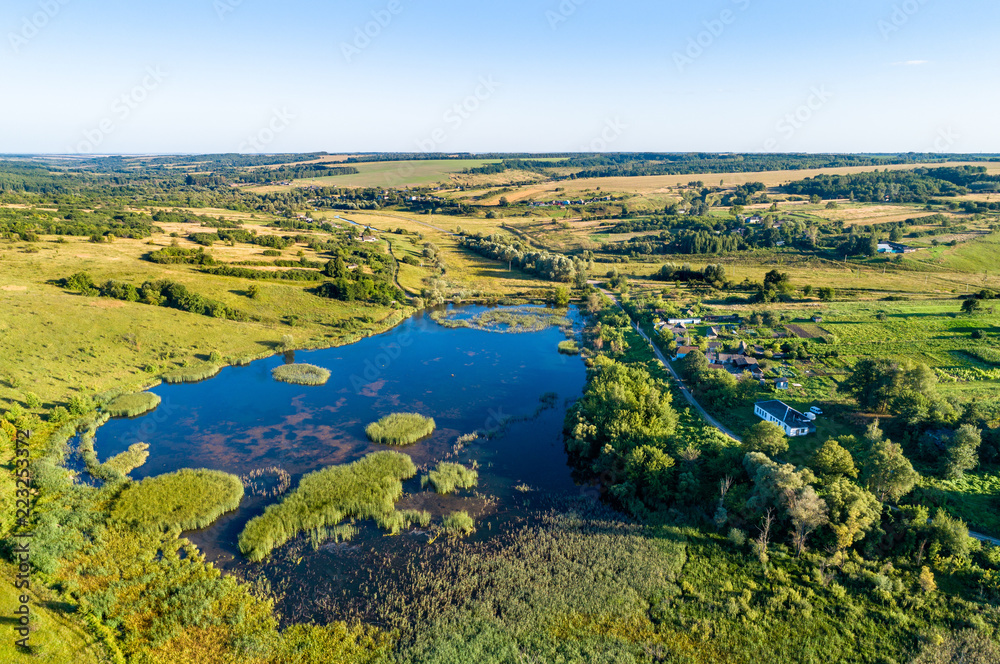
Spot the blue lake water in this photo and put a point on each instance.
(465, 379)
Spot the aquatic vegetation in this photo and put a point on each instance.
(365, 489)
(132, 405)
(511, 320)
(187, 499)
(400, 429)
(129, 460)
(569, 347)
(191, 374)
(449, 477)
(255, 485)
(396, 521)
(458, 524)
(345, 532)
(301, 374)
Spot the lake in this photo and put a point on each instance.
(466, 379)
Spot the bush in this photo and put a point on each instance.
(400, 429)
(187, 499)
(459, 523)
(132, 405)
(301, 374)
(449, 477)
(365, 489)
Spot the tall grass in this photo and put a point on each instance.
(459, 523)
(301, 374)
(449, 477)
(129, 460)
(132, 405)
(400, 429)
(569, 347)
(187, 499)
(365, 489)
(191, 374)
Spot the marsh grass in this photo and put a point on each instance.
(397, 521)
(132, 405)
(187, 499)
(459, 524)
(449, 477)
(345, 532)
(365, 489)
(191, 374)
(516, 320)
(400, 429)
(129, 460)
(301, 374)
(569, 347)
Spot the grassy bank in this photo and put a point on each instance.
(187, 499)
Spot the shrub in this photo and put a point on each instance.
(301, 374)
(132, 405)
(365, 489)
(79, 405)
(400, 429)
(459, 523)
(449, 477)
(187, 499)
(31, 400)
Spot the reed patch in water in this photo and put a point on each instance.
(400, 429)
(365, 489)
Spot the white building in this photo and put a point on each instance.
(792, 421)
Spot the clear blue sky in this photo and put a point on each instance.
(258, 75)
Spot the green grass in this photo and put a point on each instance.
(459, 523)
(449, 477)
(301, 374)
(132, 405)
(400, 429)
(129, 460)
(58, 636)
(365, 489)
(399, 173)
(187, 499)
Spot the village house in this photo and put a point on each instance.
(792, 421)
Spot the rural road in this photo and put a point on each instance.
(390, 216)
(680, 383)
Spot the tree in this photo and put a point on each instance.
(853, 511)
(504, 202)
(971, 306)
(808, 512)
(766, 437)
(253, 291)
(694, 363)
(826, 294)
(927, 582)
(888, 473)
(559, 296)
(832, 460)
(963, 452)
(649, 469)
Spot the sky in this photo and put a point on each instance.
(259, 76)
